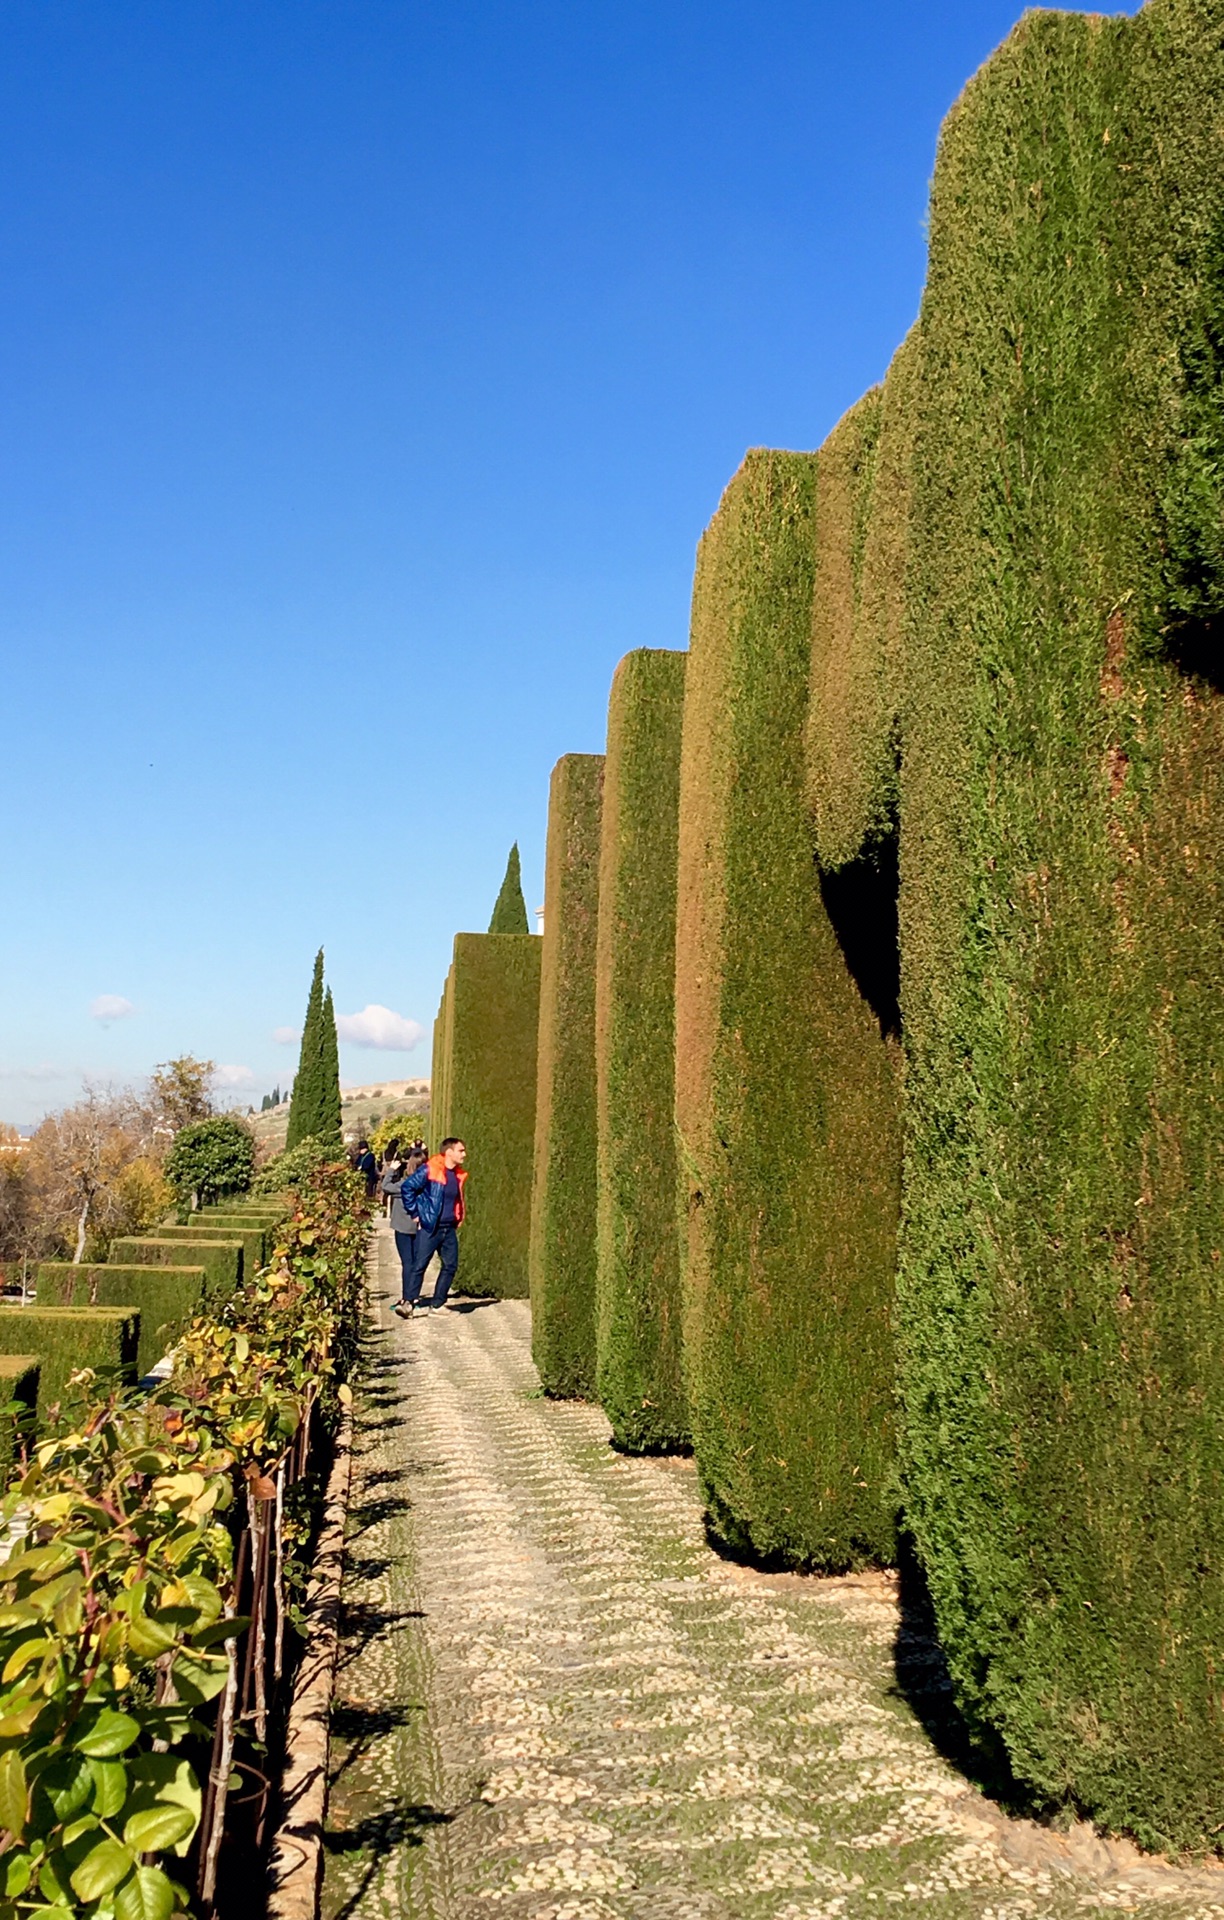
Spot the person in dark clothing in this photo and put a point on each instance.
(436, 1191)
(404, 1225)
(367, 1166)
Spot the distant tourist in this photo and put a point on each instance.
(367, 1166)
(435, 1190)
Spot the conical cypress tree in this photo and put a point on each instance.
(510, 913)
(303, 1114)
(329, 1075)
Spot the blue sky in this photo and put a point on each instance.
(370, 371)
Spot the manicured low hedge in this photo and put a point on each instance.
(222, 1260)
(166, 1298)
(19, 1389)
(252, 1240)
(640, 1361)
(562, 1257)
(68, 1338)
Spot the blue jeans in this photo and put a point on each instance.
(410, 1284)
(444, 1241)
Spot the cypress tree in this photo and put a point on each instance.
(510, 913)
(329, 1075)
(303, 1113)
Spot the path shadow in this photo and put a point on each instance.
(376, 1835)
(925, 1683)
(470, 1306)
(369, 1566)
(358, 1726)
(383, 1477)
(360, 1625)
(372, 1513)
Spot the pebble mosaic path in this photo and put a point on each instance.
(555, 1702)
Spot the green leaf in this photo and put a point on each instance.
(16, 1868)
(67, 1783)
(29, 1650)
(88, 1823)
(111, 1733)
(198, 1680)
(103, 1867)
(148, 1895)
(158, 1828)
(52, 1883)
(219, 1631)
(148, 1638)
(110, 1786)
(14, 1793)
(160, 1780)
(19, 1722)
(204, 1597)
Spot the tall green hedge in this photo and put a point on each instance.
(562, 1254)
(68, 1338)
(785, 1089)
(858, 616)
(439, 1084)
(166, 1298)
(490, 1098)
(221, 1260)
(639, 1323)
(1061, 1299)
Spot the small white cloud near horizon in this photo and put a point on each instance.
(234, 1077)
(44, 1072)
(378, 1027)
(286, 1036)
(108, 1007)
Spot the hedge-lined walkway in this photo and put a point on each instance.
(556, 1702)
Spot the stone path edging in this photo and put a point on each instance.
(295, 1866)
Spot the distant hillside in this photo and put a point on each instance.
(360, 1109)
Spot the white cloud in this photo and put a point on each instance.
(108, 1007)
(234, 1077)
(286, 1036)
(44, 1072)
(379, 1027)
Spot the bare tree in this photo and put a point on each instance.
(80, 1165)
(180, 1092)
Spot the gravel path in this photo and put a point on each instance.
(557, 1703)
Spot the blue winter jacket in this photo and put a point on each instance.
(424, 1191)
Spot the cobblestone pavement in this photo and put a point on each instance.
(555, 1702)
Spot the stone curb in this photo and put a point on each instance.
(295, 1866)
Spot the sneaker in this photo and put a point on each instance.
(403, 1309)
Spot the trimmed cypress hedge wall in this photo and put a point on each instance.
(166, 1298)
(439, 1083)
(18, 1383)
(68, 1338)
(562, 1254)
(1061, 1301)
(639, 1321)
(858, 616)
(490, 1095)
(221, 1260)
(785, 1090)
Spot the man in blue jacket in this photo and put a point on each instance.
(434, 1193)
